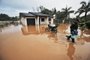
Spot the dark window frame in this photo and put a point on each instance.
(42, 19)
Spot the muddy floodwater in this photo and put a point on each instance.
(34, 43)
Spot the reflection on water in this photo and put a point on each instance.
(71, 51)
(34, 43)
(37, 30)
(53, 36)
(33, 29)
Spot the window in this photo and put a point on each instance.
(42, 20)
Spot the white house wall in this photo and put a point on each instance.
(52, 20)
(37, 21)
(47, 20)
(23, 21)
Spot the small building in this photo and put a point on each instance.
(34, 18)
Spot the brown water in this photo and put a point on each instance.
(34, 43)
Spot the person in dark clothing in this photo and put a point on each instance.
(73, 28)
(73, 31)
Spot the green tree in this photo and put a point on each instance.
(60, 16)
(14, 18)
(85, 8)
(4, 17)
(54, 11)
(67, 11)
(45, 10)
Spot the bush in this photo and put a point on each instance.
(88, 25)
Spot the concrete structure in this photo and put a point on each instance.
(34, 18)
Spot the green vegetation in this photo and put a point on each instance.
(64, 15)
(5, 20)
(5, 17)
(66, 11)
(85, 20)
(85, 8)
(88, 25)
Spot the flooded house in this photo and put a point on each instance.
(33, 21)
(35, 18)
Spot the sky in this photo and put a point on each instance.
(14, 7)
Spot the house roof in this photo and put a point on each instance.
(31, 14)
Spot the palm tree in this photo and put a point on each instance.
(85, 8)
(67, 12)
(54, 11)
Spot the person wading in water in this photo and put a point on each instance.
(73, 31)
